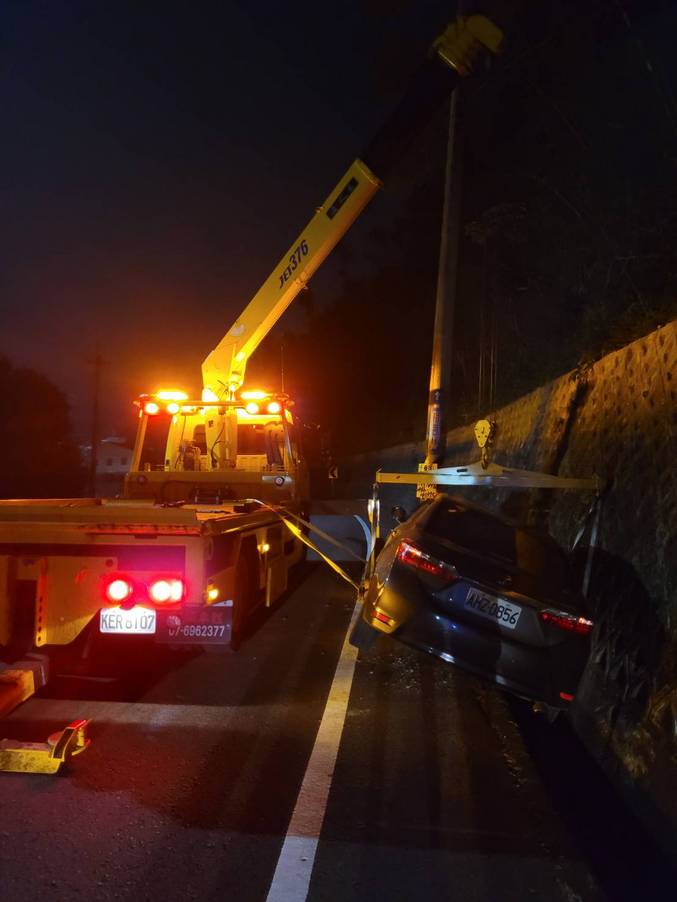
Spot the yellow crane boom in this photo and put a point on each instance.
(456, 48)
(223, 369)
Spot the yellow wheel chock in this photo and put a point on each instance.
(17, 684)
(44, 757)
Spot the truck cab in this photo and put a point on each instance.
(196, 452)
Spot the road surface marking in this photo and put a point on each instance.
(297, 856)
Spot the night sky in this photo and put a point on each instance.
(158, 159)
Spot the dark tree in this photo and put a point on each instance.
(39, 457)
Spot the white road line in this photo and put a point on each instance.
(297, 856)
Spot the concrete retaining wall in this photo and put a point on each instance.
(617, 419)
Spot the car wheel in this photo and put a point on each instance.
(362, 635)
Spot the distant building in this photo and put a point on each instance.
(113, 458)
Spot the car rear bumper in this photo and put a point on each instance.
(534, 673)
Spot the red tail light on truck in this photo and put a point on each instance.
(166, 591)
(118, 590)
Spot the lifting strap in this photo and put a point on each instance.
(591, 520)
(286, 516)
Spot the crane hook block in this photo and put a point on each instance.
(463, 39)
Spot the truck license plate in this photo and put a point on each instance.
(135, 622)
(204, 626)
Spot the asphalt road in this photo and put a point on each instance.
(442, 788)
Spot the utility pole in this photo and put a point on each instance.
(445, 299)
(98, 363)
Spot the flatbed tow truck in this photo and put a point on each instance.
(204, 530)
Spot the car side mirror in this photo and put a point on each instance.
(399, 513)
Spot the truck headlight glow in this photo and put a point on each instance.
(151, 408)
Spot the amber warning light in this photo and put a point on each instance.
(173, 403)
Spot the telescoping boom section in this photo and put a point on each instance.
(224, 368)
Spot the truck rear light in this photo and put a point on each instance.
(412, 556)
(118, 590)
(568, 622)
(162, 591)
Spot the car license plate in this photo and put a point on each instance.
(497, 609)
(135, 622)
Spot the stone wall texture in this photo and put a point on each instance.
(616, 419)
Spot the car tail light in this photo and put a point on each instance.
(412, 556)
(568, 622)
(382, 617)
(163, 591)
(118, 590)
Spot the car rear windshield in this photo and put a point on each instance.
(474, 530)
(486, 535)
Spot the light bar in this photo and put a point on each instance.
(172, 395)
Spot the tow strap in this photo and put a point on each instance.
(287, 516)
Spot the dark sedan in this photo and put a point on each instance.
(478, 590)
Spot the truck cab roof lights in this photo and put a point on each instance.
(172, 395)
(254, 395)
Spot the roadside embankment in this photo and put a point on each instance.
(615, 418)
